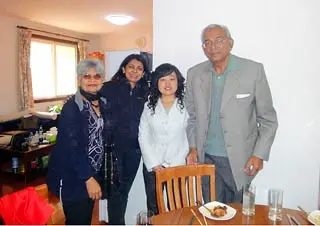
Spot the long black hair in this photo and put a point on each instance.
(162, 71)
(119, 75)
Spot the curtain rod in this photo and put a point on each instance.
(52, 33)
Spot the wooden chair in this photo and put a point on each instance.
(183, 185)
(58, 216)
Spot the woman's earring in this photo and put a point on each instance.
(123, 71)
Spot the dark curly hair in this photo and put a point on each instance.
(162, 71)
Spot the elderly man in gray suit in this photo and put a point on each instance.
(232, 121)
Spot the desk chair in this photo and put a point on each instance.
(57, 216)
(183, 185)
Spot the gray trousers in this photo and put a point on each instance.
(226, 189)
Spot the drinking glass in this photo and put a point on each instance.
(275, 199)
(144, 217)
(248, 200)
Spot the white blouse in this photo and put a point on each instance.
(163, 137)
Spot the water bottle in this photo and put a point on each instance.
(40, 134)
(36, 137)
(15, 165)
(30, 138)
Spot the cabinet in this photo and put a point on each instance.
(25, 157)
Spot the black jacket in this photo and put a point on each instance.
(69, 166)
(127, 104)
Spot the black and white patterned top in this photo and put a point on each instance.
(95, 144)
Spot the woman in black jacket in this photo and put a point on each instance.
(128, 91)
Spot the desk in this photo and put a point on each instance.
(26, 157)
(182, 217)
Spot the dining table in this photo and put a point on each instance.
(184, 216)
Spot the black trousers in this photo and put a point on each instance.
(150, 186)
(128, 164)
(78, 212)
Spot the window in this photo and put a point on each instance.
(53, 68)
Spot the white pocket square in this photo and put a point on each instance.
(244, 95)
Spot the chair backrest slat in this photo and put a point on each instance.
(170, 195)
(184, 195)
(191, 189)
(184, 185)
(159, 192)
(176, 188)
(199, 188)
(212, 187)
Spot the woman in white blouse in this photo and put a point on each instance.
(162, 131)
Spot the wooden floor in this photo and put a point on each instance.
(9, 185)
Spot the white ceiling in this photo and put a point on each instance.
(84, 16)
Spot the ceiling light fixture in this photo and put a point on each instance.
(119, 19)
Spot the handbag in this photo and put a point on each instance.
(111, 180)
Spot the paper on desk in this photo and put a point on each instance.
(42, 114)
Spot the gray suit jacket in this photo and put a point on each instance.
(248, 118)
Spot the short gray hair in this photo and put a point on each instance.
(211, 26)
(84, 65)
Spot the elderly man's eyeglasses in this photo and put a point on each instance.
(95, 77)
(218, 42)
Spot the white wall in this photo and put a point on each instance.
(113, 60)
(128, 40)
(284, 36)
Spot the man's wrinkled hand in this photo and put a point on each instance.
(253, 166)
(192, 157)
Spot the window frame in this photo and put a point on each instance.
(40, 38)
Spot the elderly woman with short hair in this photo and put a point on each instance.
(75, 165)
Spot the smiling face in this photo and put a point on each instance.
(91, 82)
(168, 85)
(133, 71)
(216, 45)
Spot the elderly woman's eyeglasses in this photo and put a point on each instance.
(95, 77)
(218, 42)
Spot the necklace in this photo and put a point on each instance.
(94, 105)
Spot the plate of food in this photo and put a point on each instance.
(218, 211)
(314, 217)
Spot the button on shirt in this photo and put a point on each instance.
(215, 144)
